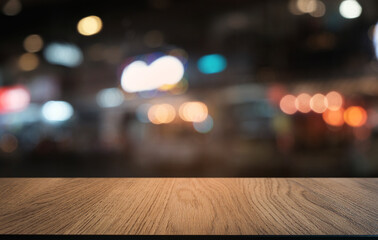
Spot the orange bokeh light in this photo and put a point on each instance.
(355, 116)
(287, 104)
(334, 118)
(335, 100)
(161, 113)
(318, 103)
(193, 111)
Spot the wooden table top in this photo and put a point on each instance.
(229, 206)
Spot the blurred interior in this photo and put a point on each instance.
(188, 88)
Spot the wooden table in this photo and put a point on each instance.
(189, 206)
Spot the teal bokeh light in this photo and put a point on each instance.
(213, 63)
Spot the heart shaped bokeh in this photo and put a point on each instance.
(138, 76)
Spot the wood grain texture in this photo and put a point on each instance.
(188, 206)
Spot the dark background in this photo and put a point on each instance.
(270, 52)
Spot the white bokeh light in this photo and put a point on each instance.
(350, 9)
(65, 54)
(375, 39)
(57, 111)
(138, 76)
(110, 97)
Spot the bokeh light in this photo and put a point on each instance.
(193, 111)
(57, 111)
(350, 9)
(65, 54)
(335, 100)
(306, 6)
(334, 117)
(138, 76)
(28, 61)
(110, 97)
(355, 116)
(375, 39)
(161, 113)
(319, 10)
(205, 126)
(89, 25)
(318, 103)
(287, 104)
(213, 63)
(33, 43)
(302, 103)
(13, 99)
(12, 7)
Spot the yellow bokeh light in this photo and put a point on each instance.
(161, 113)
(167, 87)
(89, 25)
(28, 62)
(33, 43)
(193, 111)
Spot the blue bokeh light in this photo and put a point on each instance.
(213, 63)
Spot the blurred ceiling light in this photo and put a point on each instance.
(33, 43)
(161, 113)
(138, 76)
(110, 97)
(205, 126)
(89, 25)
(153, 39)
(350, 9)
(375, 39)
(65, 54)
(306, 6)
(355, 116)
(287, 104)
(213, 63)
(13, 99)
(28, 62)
(334, 117)
(335, 100)
(8, 143)
(319, 10)
(318, 103)
(193, 111)
(302, 103)
(57, 111)
(142, 112)
(12, 7)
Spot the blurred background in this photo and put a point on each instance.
(188, 88)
